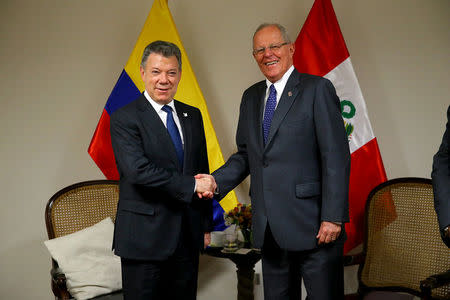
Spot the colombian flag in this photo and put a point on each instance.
(158, 26)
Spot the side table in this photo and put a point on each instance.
(245, 264)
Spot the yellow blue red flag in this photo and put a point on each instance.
(158, 26)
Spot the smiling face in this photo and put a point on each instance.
(274, 62)
(161, 76)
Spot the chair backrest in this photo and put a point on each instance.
(403, 245)
(81, 205)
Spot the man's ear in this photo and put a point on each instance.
(142, 72)
(292, 48)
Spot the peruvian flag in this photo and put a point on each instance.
(320, 50)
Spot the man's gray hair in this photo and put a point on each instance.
(166, 49)
(280, 27)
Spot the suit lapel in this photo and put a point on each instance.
(290, 93)
(186, 128)
(153, 124)
(258, 107)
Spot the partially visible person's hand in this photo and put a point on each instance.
(205, 185)
(328, 232)
(446, 236)
(207, 239)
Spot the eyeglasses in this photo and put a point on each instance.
(272, 48)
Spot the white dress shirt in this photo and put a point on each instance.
(279, 87)
(163, 115)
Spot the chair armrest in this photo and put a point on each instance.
(59, 287)
(434, 281)
(58, 277)
(354, 259)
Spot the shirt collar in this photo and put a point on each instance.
(156, 105)
(281, 83)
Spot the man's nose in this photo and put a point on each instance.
(164, 78)
(268, 51)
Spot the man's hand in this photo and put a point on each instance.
(328, 232)
(205, 185)
(207, 239)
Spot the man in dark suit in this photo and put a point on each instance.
(159, 145)
(441, 183)
(292, 142)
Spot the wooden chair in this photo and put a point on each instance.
(403, 251)
(76, 207)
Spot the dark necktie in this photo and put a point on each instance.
(174, 133)
(268, 113)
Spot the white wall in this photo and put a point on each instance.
(60, 59)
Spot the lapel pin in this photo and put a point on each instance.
(185, 115)
(290, 94)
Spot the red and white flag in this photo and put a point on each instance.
(320, 50)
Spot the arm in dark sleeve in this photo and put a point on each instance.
(334, 153)
(207, 208)
(441, 178)
(234, 171)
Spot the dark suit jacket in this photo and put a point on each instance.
(301, 176)
(154, 191)
(441, 179)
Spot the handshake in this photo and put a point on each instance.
(205, 185)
